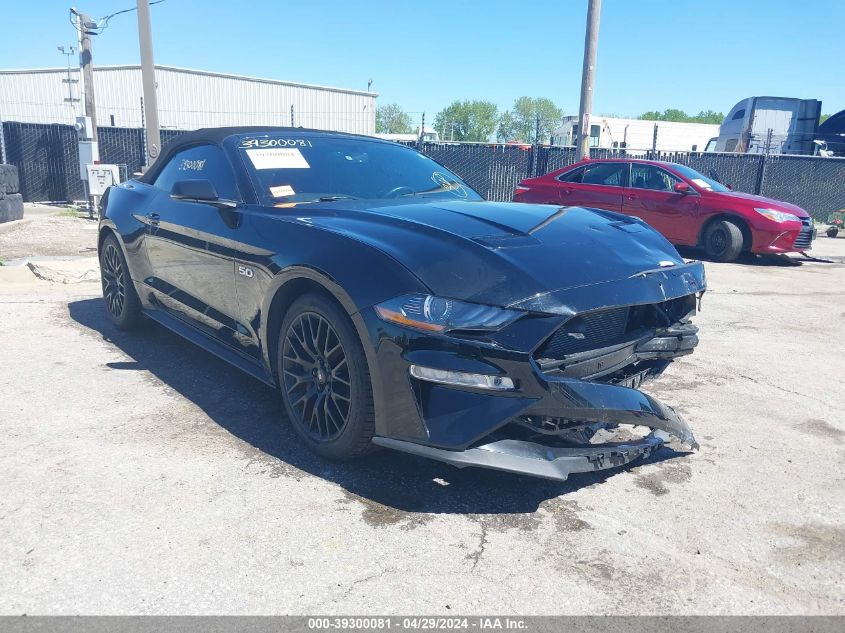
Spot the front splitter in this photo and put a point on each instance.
(537, 460)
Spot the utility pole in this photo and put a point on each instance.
(77, 23)
(148, 79)
(86, 60)
(588, 75)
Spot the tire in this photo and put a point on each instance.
(11, 207)
(832, 231)
(119, 295)
(9, 180)
(324, 379)
(723, 241)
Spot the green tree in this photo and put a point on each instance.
(674, 114)
(392, 119)
(521, 123)
(823, 118)
(679, 116)
(467, 121)
(708, 116)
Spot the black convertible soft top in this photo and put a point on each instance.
(217, 135)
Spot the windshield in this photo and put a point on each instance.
(699, 179)
(300, 168)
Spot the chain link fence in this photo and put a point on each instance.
(47, 161)
(813, 183)
(47, 157)
(492, 170)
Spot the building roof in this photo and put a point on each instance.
(194, 71)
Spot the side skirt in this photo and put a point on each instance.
(202, 340)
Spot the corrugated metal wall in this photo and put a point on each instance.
(639, 133)
(187, 100)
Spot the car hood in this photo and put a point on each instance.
(503, 253)
(762, 201)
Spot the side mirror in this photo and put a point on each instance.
(199, 191)
(682, 188)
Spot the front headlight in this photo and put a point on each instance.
(778, 216)
(436, 314)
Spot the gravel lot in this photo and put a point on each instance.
(142, 475)
(56, 233)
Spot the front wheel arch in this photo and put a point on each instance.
(104, 233)
(283, 297)
(742, 224)
(339, 378)
(295, 282)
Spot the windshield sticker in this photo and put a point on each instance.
(281, 191)
(449, 185)
(702, 183)
(192, 165)
(277, 158)
(261, 143)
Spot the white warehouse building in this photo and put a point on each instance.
(187, 99)
(638, 134)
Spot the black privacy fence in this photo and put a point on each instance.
(814, 183)
(46, 157)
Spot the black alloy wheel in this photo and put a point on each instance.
(122, 303)
(325, 379)
(114, 280)
(316, 377)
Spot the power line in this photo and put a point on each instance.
(98, 26)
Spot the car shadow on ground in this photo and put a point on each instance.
(253, 412)
(747, 259)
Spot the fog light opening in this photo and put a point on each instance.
(462, 379)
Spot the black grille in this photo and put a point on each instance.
(586, 332)
(805, 237)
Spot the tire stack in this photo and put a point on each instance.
(11, 201)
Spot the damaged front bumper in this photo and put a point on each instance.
(574, 367)
(587, 402)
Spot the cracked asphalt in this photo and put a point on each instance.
(142, 475)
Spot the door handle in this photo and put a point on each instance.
(632, 196)
(567, 190)
(153, 218)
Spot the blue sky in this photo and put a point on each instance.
(653, 54)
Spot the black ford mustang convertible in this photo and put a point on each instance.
(393, 307)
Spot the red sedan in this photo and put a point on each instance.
(687, 207)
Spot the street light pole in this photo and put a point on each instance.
(588, 74)
(149, 83)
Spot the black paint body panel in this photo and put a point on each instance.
(219, 272)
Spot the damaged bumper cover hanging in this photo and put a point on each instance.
(587, 402)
